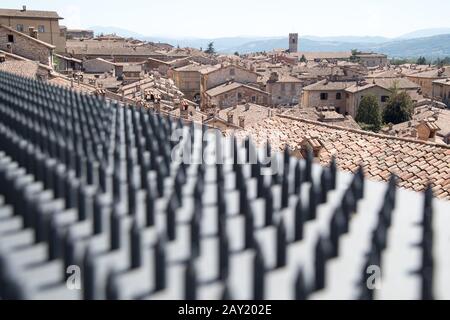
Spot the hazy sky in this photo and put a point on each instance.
(217, 18)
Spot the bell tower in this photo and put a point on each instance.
(293, 42)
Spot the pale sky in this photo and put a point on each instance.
(221, 18)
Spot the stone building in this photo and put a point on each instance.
(66, 64)
(79, 34)
(132, 73)
(326, 93)
(283, 89)
(187, 79)
(24, 67)
(380, 88)
(441, 90)
(214, 76)
(116, 51)
(99, 65)
(27, 46)
(233, 93)
(345, 96)
(46, 24)
(293, 42)
(356, 93)
(371, 60)
(156, 65)
(425, 79)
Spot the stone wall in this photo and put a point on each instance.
(97, 66)
(52, 33)
(25, 47)
(285, 93)
(188, 82)
(354, 99)
(311, 99)
(442, 91)
(231, 72)
(234, 97)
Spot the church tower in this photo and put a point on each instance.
(293, 42)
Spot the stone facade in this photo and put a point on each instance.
(284, 92)
(293, 42)
(98, 66)
(48, 28)
(156, 64)
(325, 98)
(20, 44)
(227, 73)
(441, 90)
(188, 81)
(353, 99)
(237, 95)
(425, 83)
(218, 76)
(79, 34)
(372, 60)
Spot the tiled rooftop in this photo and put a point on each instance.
(252, 114)
(415, 163)
(330, 117)
(29, 14)
(329, 85)
(21, 68)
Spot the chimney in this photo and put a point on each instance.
(157, 104)
(230, 117)
(313, 144)
(242, 121)
(184, 112)
(24, 8)
(247, 106)
(33, 32)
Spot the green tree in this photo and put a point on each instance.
(303, 58)
(353, 57)
(399, 107)
(422, 60)
(236, 53)
(210, 49)
(369, 114)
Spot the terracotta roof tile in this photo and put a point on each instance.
(415, 162)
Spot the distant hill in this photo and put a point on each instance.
(430, 47)
(350, 39)
(425, 33)
(431, 43)
(118, 31)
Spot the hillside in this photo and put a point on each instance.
(410, 45)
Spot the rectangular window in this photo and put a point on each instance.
(338, 96)
(41, 29)
(324, 96)
(253, 99)
(384, 98)
(19, 27)
(10, 38)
